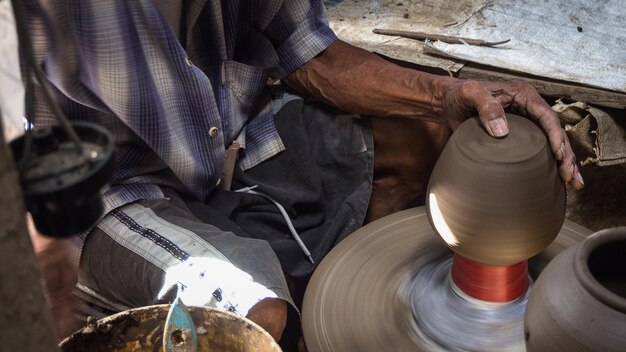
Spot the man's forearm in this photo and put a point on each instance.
(360, 82)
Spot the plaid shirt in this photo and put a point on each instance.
(173, 108)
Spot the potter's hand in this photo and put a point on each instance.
(464, 98)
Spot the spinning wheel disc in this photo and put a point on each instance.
(358, 299)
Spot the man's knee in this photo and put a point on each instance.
(271, 315)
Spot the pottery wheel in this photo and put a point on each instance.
(359, 298)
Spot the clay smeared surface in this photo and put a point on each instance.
(141, 329)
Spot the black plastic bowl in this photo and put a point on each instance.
(62, 186)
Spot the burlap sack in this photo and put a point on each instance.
(596, 137)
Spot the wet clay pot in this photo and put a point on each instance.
(496, 201)
(579, 301)
(141, 329)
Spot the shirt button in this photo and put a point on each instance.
(188, 62)
(213, 132)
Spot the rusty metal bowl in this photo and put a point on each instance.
(141, 329)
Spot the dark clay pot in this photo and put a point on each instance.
(496, 201)
(579, 301)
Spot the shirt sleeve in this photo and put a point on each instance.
(299, 32)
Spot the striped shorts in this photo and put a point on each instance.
(237, 248)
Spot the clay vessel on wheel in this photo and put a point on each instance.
(497, 201)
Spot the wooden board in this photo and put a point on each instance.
(547, 87)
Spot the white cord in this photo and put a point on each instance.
(282, 210)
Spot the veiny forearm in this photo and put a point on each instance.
(361, 82)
